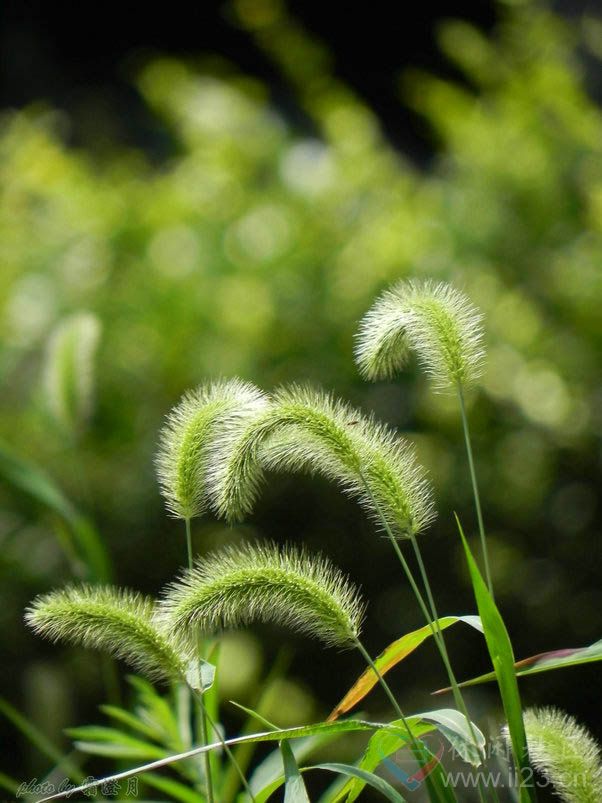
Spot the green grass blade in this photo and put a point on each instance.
(452, 725)
(124, 717)
(41, 742)
(294, 785)
(543, 662)
(502, 657)
(382, 786)
(391, 656)
(9, 784)
(175, 789)
(345, 726)
(31, 480)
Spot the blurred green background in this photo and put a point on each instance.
(249, 243)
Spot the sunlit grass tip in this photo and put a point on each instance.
(116, 621)
(303, 429)
(264, 583)
(186, 439)
(565, 753)
(434, 320)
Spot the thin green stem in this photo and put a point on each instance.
(475, 488)
(202, 708)
(385, 686)
(458, 696)
(431, 618)
(227, 750)
(417, 750)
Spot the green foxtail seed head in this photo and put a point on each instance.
(186, 438)
(303, 429)
(69, 370)
(116, 621)
(565, 753)
(436, 321)
(239, 585)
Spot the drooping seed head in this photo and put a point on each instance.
(118, 622)
(241, 585)
(186, 440)
(306, 430)
(434, 320)
(69, 370)
(565, 753)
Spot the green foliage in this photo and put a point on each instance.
(185, 441)
(115, 621)
(502, 657)
(435, 320)
(566, 754)
(264, 583)
(307, 430)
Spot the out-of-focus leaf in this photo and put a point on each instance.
(391, 656)
(31, 480)
(9, 784)
(41, 742)
(177, 790)
(131, 720)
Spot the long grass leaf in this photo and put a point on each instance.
(31, 480)
(382, 786)
(295, 790)
(543, 662)
(502, 657)
(35, 736)
(391, 656)
(344, 726)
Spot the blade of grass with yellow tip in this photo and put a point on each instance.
(391, 656)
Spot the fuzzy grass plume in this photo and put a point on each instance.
(307, 430)
(240, 585)
(115, 621)
(185, 440)
(434, 320)
(565, 753)
(69, 370)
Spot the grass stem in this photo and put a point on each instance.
(475, 489)
(202, 709)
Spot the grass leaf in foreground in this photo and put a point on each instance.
(390, 657)
(344, 726)
(543, 662)
(502, 657)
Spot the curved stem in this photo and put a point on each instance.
(475, 488)
(202, 708)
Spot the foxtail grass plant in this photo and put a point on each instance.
(215, 450)
(442, 327)
(565, 753)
